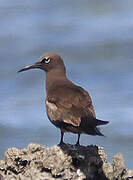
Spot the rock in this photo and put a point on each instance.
(36, 162)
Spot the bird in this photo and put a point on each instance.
(68, 106)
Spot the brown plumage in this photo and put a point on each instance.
(69, 107)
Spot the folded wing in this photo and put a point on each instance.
(69, 106)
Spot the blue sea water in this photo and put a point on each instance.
(95, 39)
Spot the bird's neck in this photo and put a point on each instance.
(55, 76)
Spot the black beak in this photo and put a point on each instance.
(36, 65)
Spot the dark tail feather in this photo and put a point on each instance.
(93, 131)
(100, 122)
(97, 131)
(89, 126)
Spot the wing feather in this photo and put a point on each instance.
(70, 105)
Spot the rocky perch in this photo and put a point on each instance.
(36, 162)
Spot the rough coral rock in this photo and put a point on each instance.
(36, 162)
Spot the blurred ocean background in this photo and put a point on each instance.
(95, 39)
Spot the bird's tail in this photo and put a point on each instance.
(97, 132)
(90, 126)
(100, 122)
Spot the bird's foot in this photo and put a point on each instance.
(77, 144)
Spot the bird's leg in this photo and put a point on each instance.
(61, 140)
(77, 143)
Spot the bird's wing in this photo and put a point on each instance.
(70, 104)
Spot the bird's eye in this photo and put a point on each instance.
(46, 60)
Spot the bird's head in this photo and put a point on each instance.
(47, 62)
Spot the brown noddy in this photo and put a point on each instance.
(68, 106)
